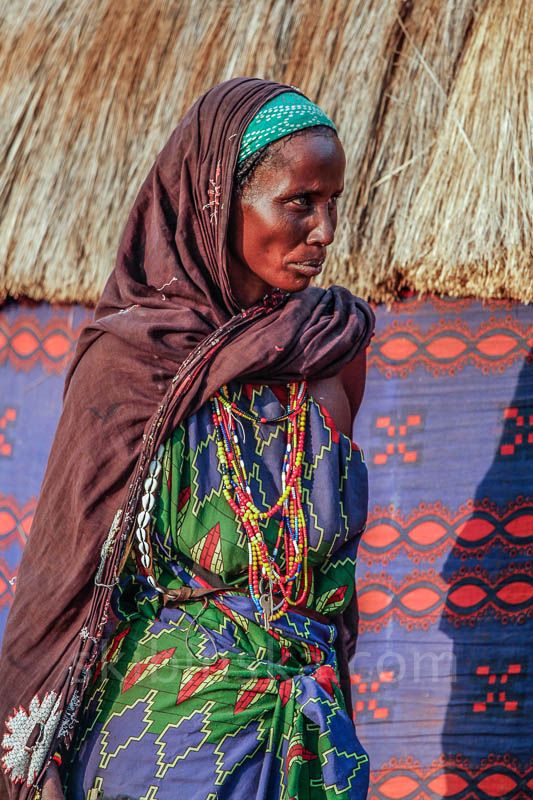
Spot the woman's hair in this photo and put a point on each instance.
(246, 169)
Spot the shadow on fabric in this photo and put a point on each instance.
(488, 617)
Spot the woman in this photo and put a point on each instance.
(203, 487)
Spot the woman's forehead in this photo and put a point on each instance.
(313, 157)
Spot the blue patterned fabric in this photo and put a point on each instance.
(442, 665)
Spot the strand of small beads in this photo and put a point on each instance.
(292, 583)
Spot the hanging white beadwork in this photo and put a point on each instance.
(24, 763)
(144, 517)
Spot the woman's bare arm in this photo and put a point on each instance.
(52, 789)
(353, 377)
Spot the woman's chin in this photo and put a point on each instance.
(298, 284)
(299, 276)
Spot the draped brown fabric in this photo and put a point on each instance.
(167, 333)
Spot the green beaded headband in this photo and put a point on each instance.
(284, 114)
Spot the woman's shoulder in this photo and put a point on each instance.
(339, 395)
(330, 395)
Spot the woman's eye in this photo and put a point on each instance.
(301, 200)
(305, 201)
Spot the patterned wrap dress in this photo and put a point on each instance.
(200, 701)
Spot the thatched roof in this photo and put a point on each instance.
(433, 99)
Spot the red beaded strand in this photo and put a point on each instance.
(292, 584)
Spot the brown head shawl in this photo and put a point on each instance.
(167, 333)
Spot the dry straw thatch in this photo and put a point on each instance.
(433, 99)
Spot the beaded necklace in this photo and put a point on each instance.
(265, 575)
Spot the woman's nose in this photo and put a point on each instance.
(323, 230)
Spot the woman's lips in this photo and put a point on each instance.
(308, 268)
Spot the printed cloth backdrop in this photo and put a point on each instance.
(444, 583)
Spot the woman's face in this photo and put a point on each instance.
(285, 218)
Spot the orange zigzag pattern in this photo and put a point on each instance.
(496, 776)
(431, 530)
(15, 520)
(26, 342)
(449, 346)
(411, 302)
(421, 598)
(15, 523)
